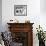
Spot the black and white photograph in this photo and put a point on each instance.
(20, 10)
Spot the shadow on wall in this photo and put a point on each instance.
(0, 15)
(43, 6)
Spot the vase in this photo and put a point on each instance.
(41, 43)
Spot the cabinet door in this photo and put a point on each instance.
(20, 37)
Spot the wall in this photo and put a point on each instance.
(35, 14)
(43, 14)
(33, 10)
(0, 15)
(43, 6)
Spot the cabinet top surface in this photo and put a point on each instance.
(19, 23)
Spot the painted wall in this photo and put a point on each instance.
(33, 10)
(34, 14)
(43, 6)
(0, 15)
(43, 14)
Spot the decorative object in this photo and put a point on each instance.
(20, 10)
(41, 36)
(1, 40)
(27, 21)
(7, 38)
(13, 21)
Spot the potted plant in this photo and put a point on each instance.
(41, 36)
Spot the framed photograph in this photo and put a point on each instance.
(20, 10)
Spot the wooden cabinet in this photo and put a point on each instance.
(22, 33)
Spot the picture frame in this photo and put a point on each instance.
(20, 10)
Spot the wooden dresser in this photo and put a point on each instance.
(22, 33)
